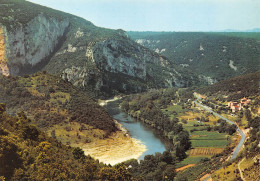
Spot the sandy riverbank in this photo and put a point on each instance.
(104, 102)
(117, 148)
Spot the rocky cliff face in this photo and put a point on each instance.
(119, 64)
(120, 56)
(101, 60)
(29, 45)
(3, 62)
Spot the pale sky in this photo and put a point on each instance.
(164, 15)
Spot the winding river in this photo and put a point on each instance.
(149, 137)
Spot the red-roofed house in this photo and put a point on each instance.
(235, 106)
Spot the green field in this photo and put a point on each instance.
(191, 160)
(177, 108)
(209, 135)
(208, 139)
(190, 125)
(209, 143)
(200, 139)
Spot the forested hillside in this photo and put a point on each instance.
(52, 104)
(235, 88)
(27, 153)
(214, 56)
(57, 107)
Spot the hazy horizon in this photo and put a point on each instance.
(164, 15)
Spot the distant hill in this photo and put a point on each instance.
(250, 30)
(213, 56)
(254, 30)
(104, 61)
(236, 87)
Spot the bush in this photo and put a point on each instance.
(78, 153)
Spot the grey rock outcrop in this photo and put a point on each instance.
(104, 61)
(29, 45)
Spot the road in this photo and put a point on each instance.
(243, 136)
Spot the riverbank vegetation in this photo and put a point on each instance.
(160, 166)
(70, 116)
(147, 108)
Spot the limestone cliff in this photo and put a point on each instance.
(3, 62)
(116, 64)
(101, 60)
(121, 56)
(28, 45)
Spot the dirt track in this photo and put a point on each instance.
(185, 167)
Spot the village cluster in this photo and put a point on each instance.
(237, 106)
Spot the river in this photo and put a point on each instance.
(148, 136)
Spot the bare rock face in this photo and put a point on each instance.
(104, 61)
(3, 62)
(118, 64)
(209, 80)
(29, 45)
(119, 56)
(82, 77)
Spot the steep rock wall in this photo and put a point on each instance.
(3, 62)
(122, 65)
(83, 77)
(29, 45)
(119, 56)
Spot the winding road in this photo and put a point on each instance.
(243, 136)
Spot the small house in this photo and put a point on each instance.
(237, 106)
(245, 101)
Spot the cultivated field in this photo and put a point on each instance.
(191, 160)
(205, 143)
(205, 151)
(208, 139)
